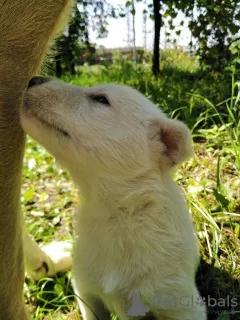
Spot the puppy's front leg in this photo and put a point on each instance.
(92, 308)
(47, 260)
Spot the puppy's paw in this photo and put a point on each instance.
(52, 258)
(60, 254)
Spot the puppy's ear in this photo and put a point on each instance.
(170, 140)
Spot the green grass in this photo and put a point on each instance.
(48, 198)
(210, 180)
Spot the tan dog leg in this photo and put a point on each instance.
(26, 27)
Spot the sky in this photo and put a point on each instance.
(117, 35)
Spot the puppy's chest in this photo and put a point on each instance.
(99, 244)
(100, 265)
(112, 256)
(106, 255)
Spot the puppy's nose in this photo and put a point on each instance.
(35, 81)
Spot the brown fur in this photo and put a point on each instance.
(26, 27)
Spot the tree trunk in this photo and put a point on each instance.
(72, 68)
(157, 28)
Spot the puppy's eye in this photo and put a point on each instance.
(101, 99)
(64, 133)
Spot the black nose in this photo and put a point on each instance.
(35, 81)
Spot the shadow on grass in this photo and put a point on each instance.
(220, 291)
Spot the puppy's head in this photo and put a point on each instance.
(103, 128)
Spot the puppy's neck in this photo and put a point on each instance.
(106, 197)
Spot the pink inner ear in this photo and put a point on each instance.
(170, 138)
(175, 139)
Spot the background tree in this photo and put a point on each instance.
(144, 29)
(162, 12)
(133, 11)
(87, 14)
(215, 25)
(156, 45)
(130, 6)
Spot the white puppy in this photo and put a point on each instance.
(136, 250)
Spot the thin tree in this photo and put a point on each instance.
(157, 27)
(86, 14)
(145, 29)
(128, 28)
(134, 31)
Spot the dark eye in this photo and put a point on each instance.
(63, 132)
(101, 99)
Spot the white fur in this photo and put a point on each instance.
(134, 232)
